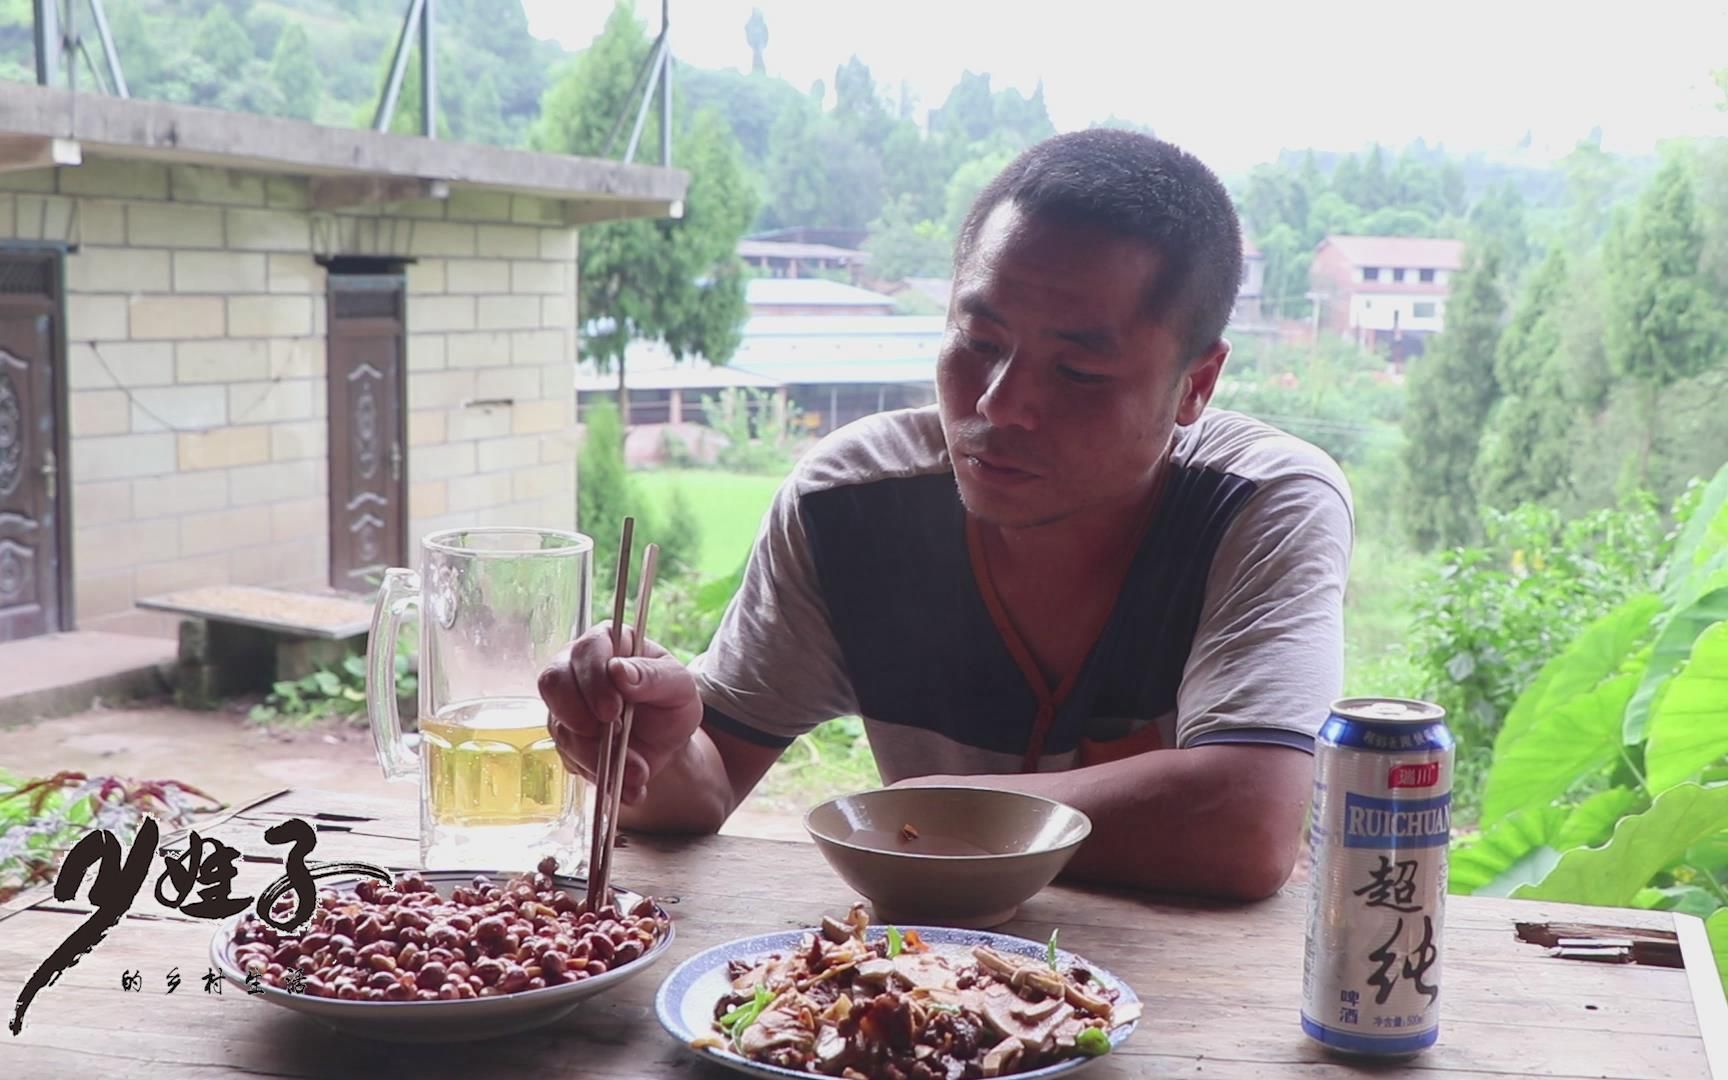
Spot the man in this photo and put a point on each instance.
(1068, 578)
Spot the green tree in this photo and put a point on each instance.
(756, 36)
(407, 118)
(222, 43)
(1451, 391)
(916, 169)
(855, 90)
(1399, 221)
(820, 172)
(968, 180)
(296, 74)
(1665, 321)
(750, 104)
(1595, 182)
(677, 281)
(969, 112)
(681, 542)
(586, 100)
(1498, 218)
(1525, 456)
(265, 26)
(1288, 261)
(483, 114)
(604, 491)
(902, 246)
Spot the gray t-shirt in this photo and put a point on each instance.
(862, 597)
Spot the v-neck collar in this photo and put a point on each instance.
(1051, 699)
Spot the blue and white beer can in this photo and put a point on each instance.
(1380, 824)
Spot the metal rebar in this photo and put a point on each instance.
(398, 67)
(116, 76)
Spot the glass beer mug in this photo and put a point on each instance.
(495, 606)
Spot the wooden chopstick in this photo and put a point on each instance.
(615, 794)
(603, 776)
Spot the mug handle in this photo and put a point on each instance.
(399, 593)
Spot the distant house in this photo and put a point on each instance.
(812, 296)
(833, 236)
(833, 369)
(1384, 292)
(934, 289)
(790, 259)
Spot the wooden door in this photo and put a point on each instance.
(33, 562)
(368, 467)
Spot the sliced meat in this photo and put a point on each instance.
(781, 1027)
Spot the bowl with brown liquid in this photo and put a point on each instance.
(946, 856)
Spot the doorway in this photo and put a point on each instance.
(368, 424)
(35, 550)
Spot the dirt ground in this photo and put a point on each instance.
(236, 760)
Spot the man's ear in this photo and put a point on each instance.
(1198, 382)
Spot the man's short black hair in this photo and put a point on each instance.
(1141, 187)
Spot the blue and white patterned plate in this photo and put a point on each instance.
(686, 1000)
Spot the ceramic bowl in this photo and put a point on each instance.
(445, 1021)
(947, 856)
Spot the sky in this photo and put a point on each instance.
(1235, 83)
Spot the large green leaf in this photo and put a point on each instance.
(1642, 846)
(1562, 746)
(1690, 727)
(1689, 899)
(1703, 541)
(1592, 821)
(1517, 850)
(1717, 927)
(1594, 655)
(1673, 645)
(1711, 853)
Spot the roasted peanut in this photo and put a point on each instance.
(405, 942)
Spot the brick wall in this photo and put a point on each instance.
(195, 322)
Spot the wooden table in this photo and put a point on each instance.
(1221, 983)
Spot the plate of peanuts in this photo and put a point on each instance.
(445, 955)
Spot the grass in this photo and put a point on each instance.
(729, 506)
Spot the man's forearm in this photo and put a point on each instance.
(1219, 820)
(691, 795)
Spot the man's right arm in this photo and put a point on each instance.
(701, 786)
(704, 735)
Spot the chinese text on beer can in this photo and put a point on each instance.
(1382, 818)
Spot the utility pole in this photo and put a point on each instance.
(666, 84)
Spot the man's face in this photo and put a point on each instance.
(1058, 393)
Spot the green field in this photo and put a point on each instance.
(729, 506)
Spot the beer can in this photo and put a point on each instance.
(1380, 823)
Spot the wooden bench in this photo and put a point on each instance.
(241, 639)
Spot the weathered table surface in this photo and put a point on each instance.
(1221, 982)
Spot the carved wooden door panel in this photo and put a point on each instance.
(368, 467)
(31, 586)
